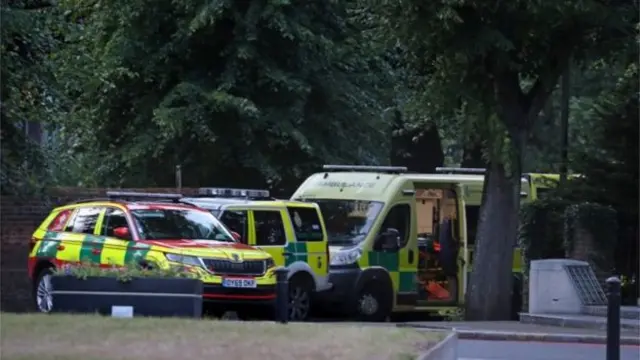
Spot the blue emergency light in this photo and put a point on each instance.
(234, 193)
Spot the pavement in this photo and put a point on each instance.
(516, 331)
(522, 350)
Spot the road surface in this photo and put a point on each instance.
(516, 350)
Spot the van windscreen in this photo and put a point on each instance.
(348, 222)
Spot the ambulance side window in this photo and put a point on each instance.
(236, 220)
(306, 224)
(269, 228)
(84, 220)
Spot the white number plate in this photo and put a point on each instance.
(239, 283)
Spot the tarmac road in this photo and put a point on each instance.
(518, 350)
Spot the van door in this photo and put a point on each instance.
(268, 234)
(309, 232)
(400, 262)
(440, 243)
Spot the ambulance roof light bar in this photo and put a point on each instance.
(140, 196)
(460, 170)
(366, 168)
(234, 193)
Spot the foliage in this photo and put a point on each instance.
(456, 314)
(475, 51)
(224, 89)
(541, 230)
(598, 223)
(27, 90)
(85, 270)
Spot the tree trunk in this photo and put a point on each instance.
(564, 128)
(489, 295)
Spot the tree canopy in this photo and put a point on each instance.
(224, 89)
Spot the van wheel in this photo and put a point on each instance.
(42, 296)
(373, 304)
(300, 289)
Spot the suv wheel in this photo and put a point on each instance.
(42, 291)
(299, 298)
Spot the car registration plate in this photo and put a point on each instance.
(239, 283)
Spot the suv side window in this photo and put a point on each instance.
(84, 220)
(60, 220)
(399, 218)
(113, 218)
(269, 228)
(306, 224)
(236, 220)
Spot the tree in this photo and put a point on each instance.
(238, 93)
(28, 91)
(504, 58)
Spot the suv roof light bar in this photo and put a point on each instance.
(366, 168)
(80, 201)
(234, 193)
(460, 170)
(137, 196)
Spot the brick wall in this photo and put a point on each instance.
(19, 217)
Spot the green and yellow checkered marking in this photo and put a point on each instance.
(71, 247)
(402, 275)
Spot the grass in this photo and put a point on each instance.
(87, 337)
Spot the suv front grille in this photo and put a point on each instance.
(226, 267)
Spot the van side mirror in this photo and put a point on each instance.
(388, 240)
(122, 232)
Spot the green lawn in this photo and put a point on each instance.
(86, 337)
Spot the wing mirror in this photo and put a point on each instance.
(388, 240)
(122, 232)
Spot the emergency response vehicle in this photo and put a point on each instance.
(397, 240)
(153, 230)
(292, 232)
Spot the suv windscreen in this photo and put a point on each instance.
(178, 224)
(348, 222)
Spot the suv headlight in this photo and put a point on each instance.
(184, 259)
(269, 263)
(346, 257)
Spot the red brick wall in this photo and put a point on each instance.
(19, 217)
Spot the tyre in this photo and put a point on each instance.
(42, 297)
(374, 303)
(300, 292)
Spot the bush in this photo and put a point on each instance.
(122, 273)
(596, 226)
(541, 230)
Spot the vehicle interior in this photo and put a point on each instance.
(438, 245)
